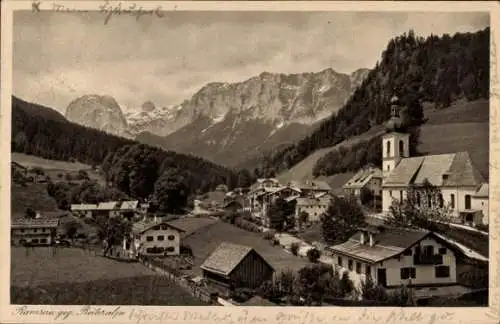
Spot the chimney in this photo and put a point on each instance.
(38, 215)
(154, 219)
(363, 237)
(372, 242)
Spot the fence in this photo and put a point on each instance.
(199, 292)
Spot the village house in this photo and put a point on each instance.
(36, 231)
(16, 167)
(129, 209)
(83, 210)
(369, 178)
(313, 207)
(454, 174)
(311, 188)
(233, 266)
(394, 256)
(107, 209)
(157, 238)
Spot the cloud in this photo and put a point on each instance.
(59, 56)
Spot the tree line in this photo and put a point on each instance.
(416, 69)
(135, 169)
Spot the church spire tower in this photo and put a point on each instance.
(396, 141)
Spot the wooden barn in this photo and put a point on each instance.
(233, 266)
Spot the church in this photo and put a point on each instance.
(461, 185)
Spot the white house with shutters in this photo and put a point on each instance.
(454, 174)
(394, 256)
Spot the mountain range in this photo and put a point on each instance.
(227, 123)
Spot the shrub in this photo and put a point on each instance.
(294, 248)
(370, 291)
(483, 227)
(313, 255)
(275, 241)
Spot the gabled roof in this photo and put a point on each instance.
(142, 226)
(18, 165)
(109, 205)
(454, 169)
(388, 243)
(362, 177)
(482, 191)
(310, 185)
(34, 222)
(132, 204)
(226, 258)
(83, 207)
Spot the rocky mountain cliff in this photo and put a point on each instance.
(230, 123)
(99, 112)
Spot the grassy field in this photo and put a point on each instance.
(73, 277)
(55, 169)
(208, 238)
(461, 127)
(34, 196)
(31, 161)
(140, 290)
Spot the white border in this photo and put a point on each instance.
(254, 315)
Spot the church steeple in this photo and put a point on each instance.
(395, 143)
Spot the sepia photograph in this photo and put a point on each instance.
(249, 158)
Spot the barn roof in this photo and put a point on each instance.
(109, 205)
(226, 258)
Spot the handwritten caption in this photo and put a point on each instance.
(108, 9)
(234, 316)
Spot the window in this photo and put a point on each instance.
(43, 230)
(407, 273)
(149, 238)
(35, 230)
(408, 252)
(442, 250)
(339, 261)
(429, 201)
(467, 202)
(358, 267)
(171, 237)
(418, 198)
(43, 240)
(160, 238)
(390, 193)
(349, 265)
(452, 201)
(388, 148)
(368, 270)
(34, 240)
(428, 250)
(170, 249)
(441, 200)
(442, 271)
(157, 227)
(401, 195)
(22, 230)
(164, 227)
(401, 148)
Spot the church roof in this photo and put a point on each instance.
(454, 169)
(483, 191)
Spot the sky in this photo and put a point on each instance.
(59, 56)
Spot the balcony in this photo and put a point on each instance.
(426, 259)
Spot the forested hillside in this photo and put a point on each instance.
(439, 70)
(39, 132)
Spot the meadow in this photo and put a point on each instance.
(32, 196)
(72, 276)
